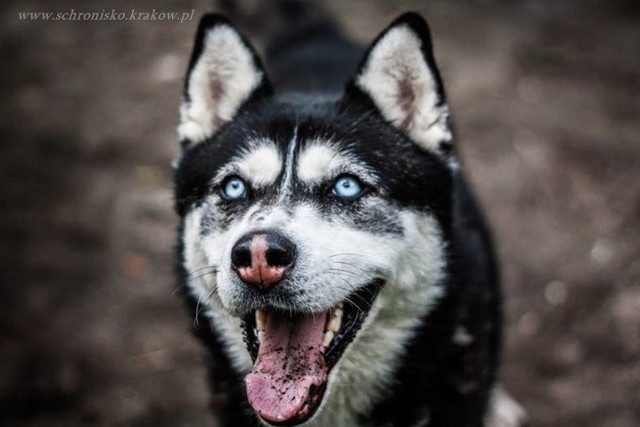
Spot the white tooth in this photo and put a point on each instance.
(261, 320)
(328, 336)
(260, 336)
(334, 322)
(338, 312)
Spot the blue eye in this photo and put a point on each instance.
(347, 187)
(234, 188)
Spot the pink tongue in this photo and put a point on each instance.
(290, 360)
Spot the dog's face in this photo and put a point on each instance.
(313, 229)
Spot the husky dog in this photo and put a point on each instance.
(340, 271)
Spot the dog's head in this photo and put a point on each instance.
(314, 227)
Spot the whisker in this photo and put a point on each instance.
(206, 270)
(352, 265)
(352, 273)
(200, 301)
(348, 254)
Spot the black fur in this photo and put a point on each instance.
(436, 380)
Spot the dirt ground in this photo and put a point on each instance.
(546, 102)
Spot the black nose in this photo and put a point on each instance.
(280, 250)
(241, 253)
(261, 258)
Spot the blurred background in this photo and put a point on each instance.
(546, 102)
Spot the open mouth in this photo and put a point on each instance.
(293, 353)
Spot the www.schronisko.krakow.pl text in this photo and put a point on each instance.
(109, 15)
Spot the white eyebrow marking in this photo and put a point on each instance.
(287, 181)
(318, 162)
(262, 165)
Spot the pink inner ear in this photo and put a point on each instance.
(407, 101)
(216, 91)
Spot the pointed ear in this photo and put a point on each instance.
(224, 73)
(399, 75)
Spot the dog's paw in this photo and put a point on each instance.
(504, 411)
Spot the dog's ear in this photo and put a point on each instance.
(224, 73)
(399, 76)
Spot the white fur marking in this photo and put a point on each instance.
(261, 165)
(287, 180)
(320, 161)
(462, 337)
(317, 163)
(504, 411)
